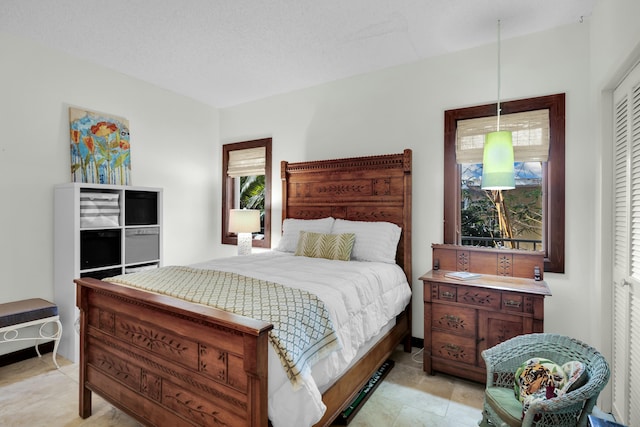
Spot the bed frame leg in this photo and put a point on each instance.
(407, 344)
(85, 402)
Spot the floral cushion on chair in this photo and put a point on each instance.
(536, 375)
(540, 379)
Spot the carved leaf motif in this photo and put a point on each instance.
(453, 351)
(504, 332)
(504, 264)
(152, 340)
(379, 215)
(218, 368)
(341, 189)
(118, 368)
(197, 411)
(106, 321)
(463, 261)
(528, 305)
(203, 353)
(452, 321)
(381, 187)
(477, 298)
(150, 385)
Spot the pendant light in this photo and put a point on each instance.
(497, 161)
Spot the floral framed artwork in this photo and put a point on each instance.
(100, 148)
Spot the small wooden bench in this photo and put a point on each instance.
(17, 315)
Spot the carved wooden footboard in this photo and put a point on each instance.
(169, 362)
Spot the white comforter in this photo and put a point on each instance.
(361, 297)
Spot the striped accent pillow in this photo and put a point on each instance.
(329, 246)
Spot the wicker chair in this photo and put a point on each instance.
(501, 408)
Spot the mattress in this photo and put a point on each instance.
(363, 299)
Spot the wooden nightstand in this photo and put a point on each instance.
(464, 317)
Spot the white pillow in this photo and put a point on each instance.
(375, 241)
(291, 228)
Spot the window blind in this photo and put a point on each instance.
(247, 162)
(530, 136)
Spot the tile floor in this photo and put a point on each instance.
(33, 393)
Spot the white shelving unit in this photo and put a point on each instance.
(118, 230)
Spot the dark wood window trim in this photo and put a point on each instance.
(228, 193)
(553, 181)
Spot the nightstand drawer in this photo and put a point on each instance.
(444, 292)
(454, 347)
(480, 297)
(454, 319)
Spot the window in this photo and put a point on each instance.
(551, 173)
(246, 178)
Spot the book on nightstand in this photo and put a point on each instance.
(463, 275)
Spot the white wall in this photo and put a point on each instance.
(176, 145)
(387, 111)
(173, 146)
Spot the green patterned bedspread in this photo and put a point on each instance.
(302, 330)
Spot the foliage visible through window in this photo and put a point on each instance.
(480, 220)
(245, 187)
(252, 196)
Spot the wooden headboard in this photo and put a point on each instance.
(373, 188)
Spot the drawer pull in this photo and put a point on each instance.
(447, 295)
(452, 319)
(512, 303)
(453, 347)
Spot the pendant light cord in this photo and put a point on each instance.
(498, 112)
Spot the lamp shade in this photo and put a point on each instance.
(497, 162)
(244, 220)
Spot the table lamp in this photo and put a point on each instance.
(243, 222)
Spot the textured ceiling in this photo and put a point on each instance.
(226, 52)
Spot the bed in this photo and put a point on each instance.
(169, 361)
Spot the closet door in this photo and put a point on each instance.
(626, 254)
